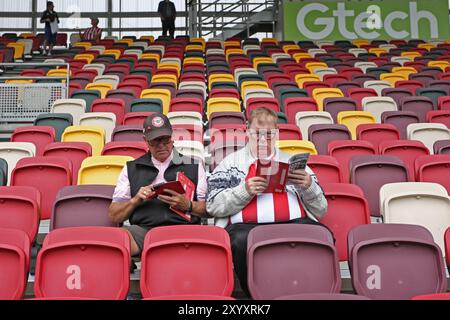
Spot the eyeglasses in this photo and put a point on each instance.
(157, 141)
(267, 134)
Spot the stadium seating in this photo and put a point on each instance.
(68, 264)
(268, 245)
(375, 247)
(177, 252)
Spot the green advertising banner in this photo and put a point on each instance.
(366, 19)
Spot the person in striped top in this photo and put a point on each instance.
(93, 33)
(236, 197)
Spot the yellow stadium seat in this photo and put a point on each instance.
(201, 40)
(253, 84)
(194, 47)
(411, 54)
(219, 77)
(377, 51)
(231, 43)
(404, 70)
(427, 46)
(165, 78)
(300, 56)
(352, 119)
(86, 57)
(19, 50)
(259, 60)
(26, 35)
(100, 86)
(360, 42)
(102, 169)
(156, 93)
(311, 66)
(127, 41)
(439, 64)
(222, 105)
(58, 73)
(113, 52)
(301, 78)
(170, 65)
(18, 81)
(151, 56)
(193, 60)
(94, 135)
(320, 94)
(392, 78)
(150, 38)
(233, 51)
(296, 146)
(288, 47)
(85, 45)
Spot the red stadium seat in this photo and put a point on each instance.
(187, 132)
(407, 150)
(40, 136)
(186, 104)
(116, 106)
(47, 174)
(344, 150)
(14, 261)
(20, 209)
(135, 118)
(289, 132)
(347, 208)
(177, 252)
(433, 168)
(254, 103)
(326, 168)
(84, 262)
(135, 149)
(76, 152)
(439, 116)
(298, 104)
(359, 93)
(376, 133)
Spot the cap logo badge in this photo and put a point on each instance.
(158, 122)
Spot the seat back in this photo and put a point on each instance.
(77, 206)
(46, 174)
(14, 257)
(102, 169)
(344, 150)
(378, 268)
(84, 262)
(322, 134)
(347, 208)
(178, 252)
(20, 209)
(310, 261)
(371, 172)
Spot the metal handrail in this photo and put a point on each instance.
(243, 10)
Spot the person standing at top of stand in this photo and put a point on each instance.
(168, 14)
(51, 20)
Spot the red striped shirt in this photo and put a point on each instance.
(92, 33)
(269, 207)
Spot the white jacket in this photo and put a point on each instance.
(226, 195)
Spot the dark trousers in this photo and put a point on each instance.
(238, 235)
(169, 25)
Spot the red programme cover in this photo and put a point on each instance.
(189, 188)
(275, 172)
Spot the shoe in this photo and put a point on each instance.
(49, 54)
